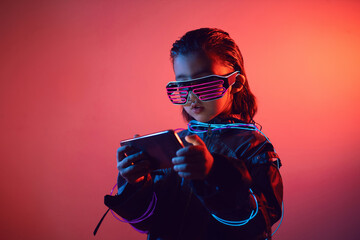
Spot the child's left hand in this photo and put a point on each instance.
(193, 162)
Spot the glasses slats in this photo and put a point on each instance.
(205, 88)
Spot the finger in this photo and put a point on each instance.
(121, 152)
(130, 160)
(178, 160)
(187, 168)
(194, 140)
(135, 177)
(144, 163)
(190, 150)
(135, 171)
(136, 158)
(181, 168)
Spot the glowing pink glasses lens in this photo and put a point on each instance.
(210, 90)
(177, 96)
(204, 91)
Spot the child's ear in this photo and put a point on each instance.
(238, 84)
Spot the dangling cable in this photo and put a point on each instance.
(148, 213)
(241, 222)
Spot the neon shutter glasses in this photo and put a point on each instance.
(206, 88)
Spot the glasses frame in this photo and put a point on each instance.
(228, 81)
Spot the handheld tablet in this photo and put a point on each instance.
(161, 147)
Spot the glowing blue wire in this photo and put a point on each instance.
(241, 222)
(281, 219)
(243, 126)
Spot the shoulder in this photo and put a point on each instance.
(240, 137)
(250, 145)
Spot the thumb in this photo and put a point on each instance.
(194, 140)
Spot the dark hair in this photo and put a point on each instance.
(218, 43)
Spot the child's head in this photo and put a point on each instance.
(209, 51)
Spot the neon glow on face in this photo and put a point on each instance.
(206, 88)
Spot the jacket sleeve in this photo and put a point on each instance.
(132, 201)
(226, 190)
(159, 191)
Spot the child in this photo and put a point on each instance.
(225, 182)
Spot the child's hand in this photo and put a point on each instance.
(133, 167)
(193, 162)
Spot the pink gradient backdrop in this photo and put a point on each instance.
(79, 76)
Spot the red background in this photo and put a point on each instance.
(79, 76)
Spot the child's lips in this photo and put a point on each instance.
(197, 109)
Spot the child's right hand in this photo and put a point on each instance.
(133, 167)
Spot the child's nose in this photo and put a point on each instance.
(192, 98)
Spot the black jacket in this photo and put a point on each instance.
(243, 160)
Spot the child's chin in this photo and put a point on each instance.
(202, 118)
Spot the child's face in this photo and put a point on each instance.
(196, 65)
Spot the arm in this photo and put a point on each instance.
(135, 191)
(224, 190)
(135, 197)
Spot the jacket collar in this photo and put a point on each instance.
(226, 119)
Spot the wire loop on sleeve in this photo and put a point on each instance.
(148, 213)
(241, 222)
